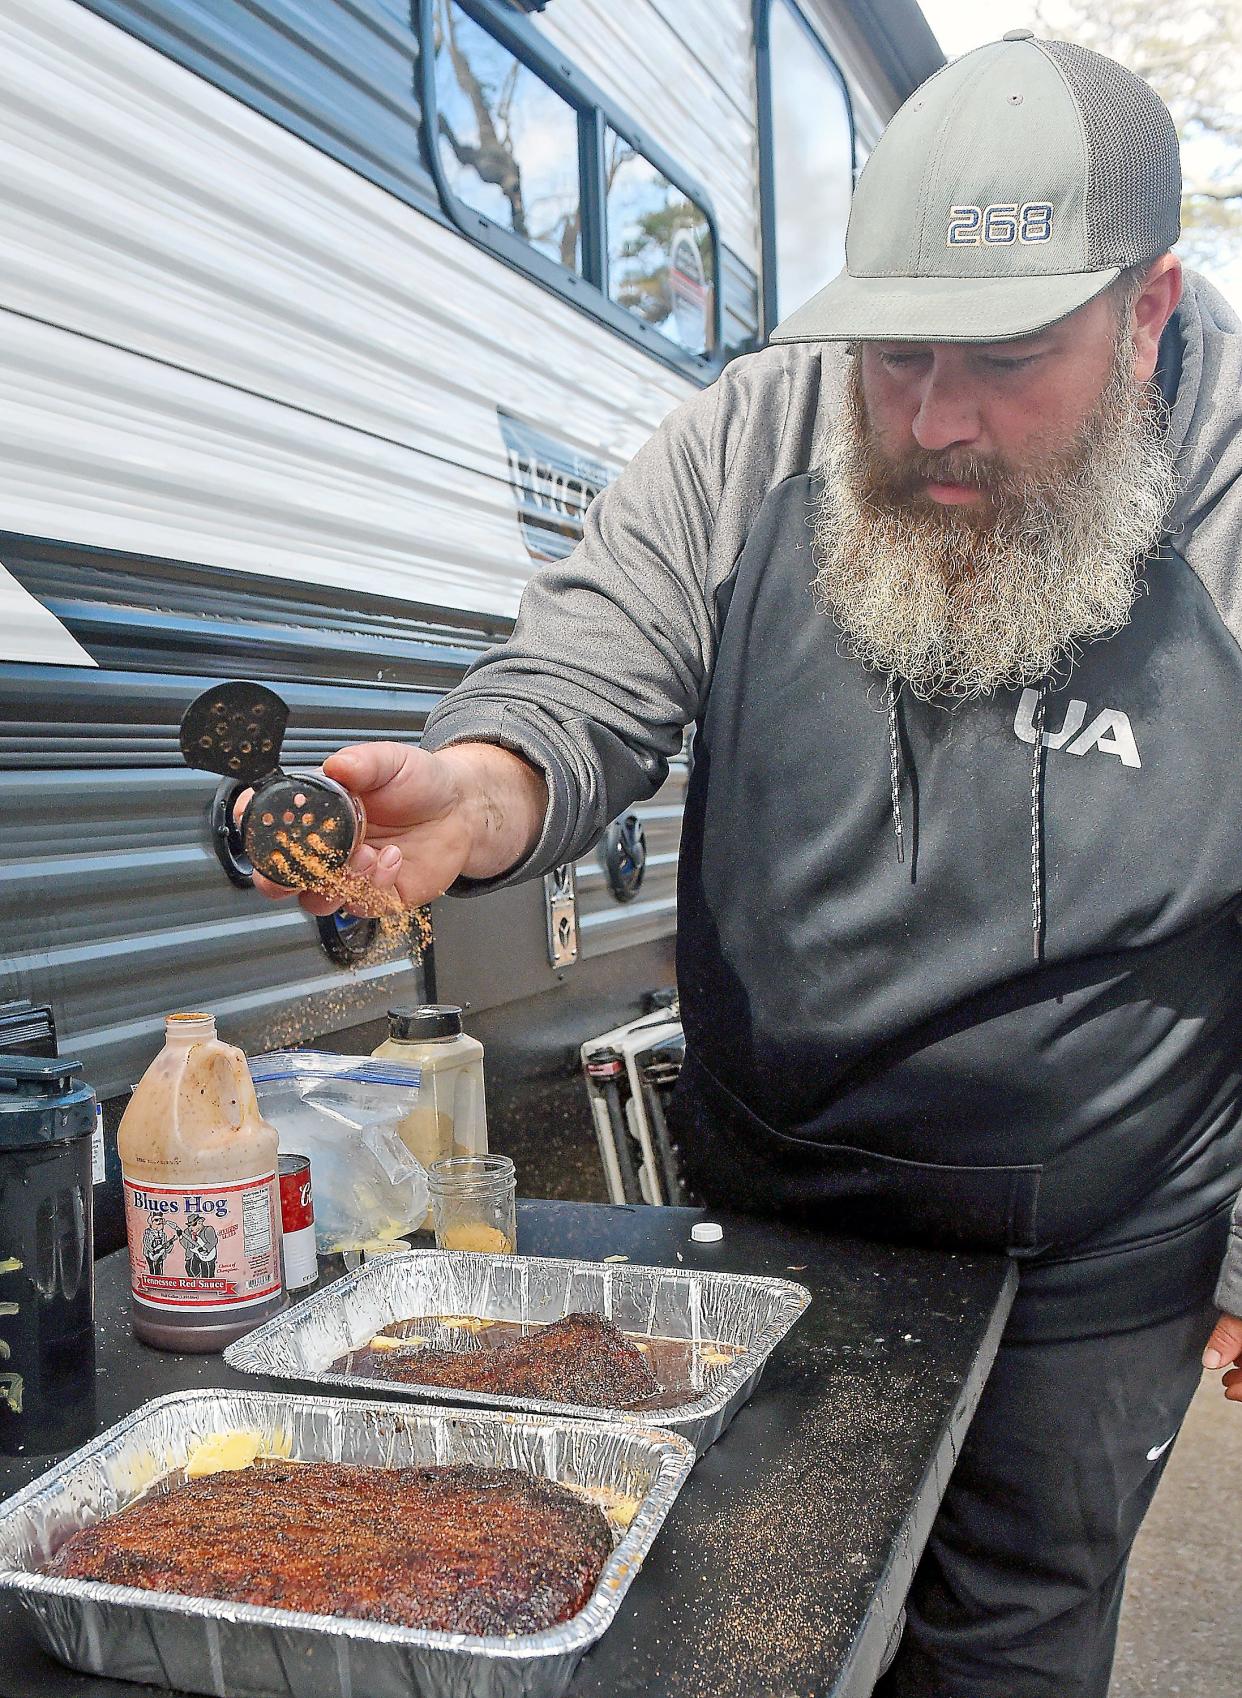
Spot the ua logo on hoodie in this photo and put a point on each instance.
(1109, 731)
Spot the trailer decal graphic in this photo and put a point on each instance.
(553, 486)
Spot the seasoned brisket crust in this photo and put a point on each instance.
(580, 1359)
(461, 1549)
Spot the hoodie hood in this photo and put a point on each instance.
(1205, 432)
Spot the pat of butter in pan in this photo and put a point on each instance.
(226, 1453)
(450, 1323)
(619, 1510)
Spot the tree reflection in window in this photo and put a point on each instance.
(661, 265)
(508, 143)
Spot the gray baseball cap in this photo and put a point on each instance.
(1010, 189)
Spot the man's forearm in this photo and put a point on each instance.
(503, 799)
(610, 650)
(613, 647)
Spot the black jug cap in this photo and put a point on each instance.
(42, 1102)
(431, 1020)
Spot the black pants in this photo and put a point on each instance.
(1018, 1592)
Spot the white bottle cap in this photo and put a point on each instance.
(707, 1232)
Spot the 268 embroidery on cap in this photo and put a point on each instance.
(999, 225)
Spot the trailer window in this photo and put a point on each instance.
(508, 144)
(808, 167)
(533, 162)
(661, 263)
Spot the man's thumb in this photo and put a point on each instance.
(1225, 1344)
(366, 767)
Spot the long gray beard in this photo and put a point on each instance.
(958, 611)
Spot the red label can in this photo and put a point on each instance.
(297, 1218)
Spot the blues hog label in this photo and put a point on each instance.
(205, 1247)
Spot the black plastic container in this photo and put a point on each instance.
(47, 1318)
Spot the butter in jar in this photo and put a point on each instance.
(473, 1201)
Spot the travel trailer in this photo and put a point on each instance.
(322, 324)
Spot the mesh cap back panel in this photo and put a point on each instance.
(1134, 172)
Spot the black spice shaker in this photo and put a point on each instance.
(299, 826)
(47, 1247)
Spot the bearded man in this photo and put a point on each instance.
(948, 581)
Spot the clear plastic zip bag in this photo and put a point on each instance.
(343, 1111)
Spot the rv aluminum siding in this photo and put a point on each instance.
(249, 427)
(250, 378)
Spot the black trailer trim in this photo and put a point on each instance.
(902, 40)
(355, 665)
(145, 613)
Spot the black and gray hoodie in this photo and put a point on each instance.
(871, 1041)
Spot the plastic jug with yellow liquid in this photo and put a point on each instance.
(450, 1118)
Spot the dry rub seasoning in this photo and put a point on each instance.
(309, 864)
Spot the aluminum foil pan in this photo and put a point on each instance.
(245, 1651)
(750, 1314)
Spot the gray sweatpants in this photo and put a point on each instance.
(1019, 1589)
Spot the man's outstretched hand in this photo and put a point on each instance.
(473, 809)
(1224, 1350)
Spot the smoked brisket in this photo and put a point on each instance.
(580, 1359)
(461, 1549)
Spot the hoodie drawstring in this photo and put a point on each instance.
(1037, 804)
(894, 765)
(1037, 828)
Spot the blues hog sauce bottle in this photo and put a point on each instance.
(202, 1203)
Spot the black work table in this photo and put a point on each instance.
(782, 1569)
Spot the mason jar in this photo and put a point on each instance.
(474, 1202)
